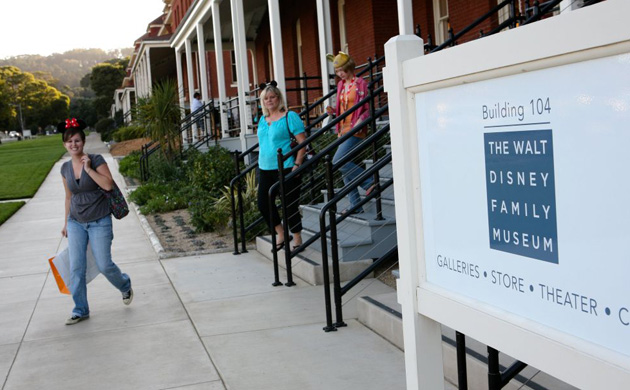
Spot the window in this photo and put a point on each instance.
(440, 9)
(233, 67)
(298, 33)
(342, 25)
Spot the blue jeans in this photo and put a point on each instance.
(351, 171)
(100, 234)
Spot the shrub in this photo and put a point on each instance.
(209, 172)
(163, 171)
(250, 206)
(146, 192)
(129, 132)
(105, 125)
(203, 215)
(130, 165)
(165, 202)
(155, 197)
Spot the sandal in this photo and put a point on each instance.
(280, 246)
(347, 211)
(369, 190)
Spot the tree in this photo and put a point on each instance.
(82, 108)
(160, 115)
(106, 78)
(39, 103)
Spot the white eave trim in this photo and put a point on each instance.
(146, 45)
(188, 27)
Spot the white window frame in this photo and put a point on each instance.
(441, 22)
(341, 6)
(298, 33)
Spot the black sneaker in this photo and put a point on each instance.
(76, 319)
(128, 296)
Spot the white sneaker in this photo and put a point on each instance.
(128, 296)
(76, 319)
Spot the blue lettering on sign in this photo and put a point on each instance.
(520, 183)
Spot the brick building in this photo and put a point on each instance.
(287, 41)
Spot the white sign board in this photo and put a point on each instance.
(510, 161)
(526, 196)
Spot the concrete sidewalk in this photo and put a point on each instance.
(202, 322)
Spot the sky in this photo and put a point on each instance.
(54, 26)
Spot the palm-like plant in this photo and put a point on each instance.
(160, 115)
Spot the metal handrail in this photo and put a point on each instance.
(453, 40)
(315, 135)
(331, 208)
(308, 164)
(316, 235)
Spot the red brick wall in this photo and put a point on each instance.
(385, 22)
(423, 16)
(463, 12)
(369, 25)
(179, 9)
(289, 15)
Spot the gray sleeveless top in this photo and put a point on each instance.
(88, 203)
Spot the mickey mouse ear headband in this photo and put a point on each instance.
(72, 123)
(271, 83)
(339, 60)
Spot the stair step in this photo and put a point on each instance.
(356, 225)
(385, 172)
(387, 204)
(382, 314)
(307, 265)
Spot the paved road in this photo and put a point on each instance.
(203, 322)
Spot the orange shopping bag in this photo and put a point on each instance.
(60, 283)
(60, 267)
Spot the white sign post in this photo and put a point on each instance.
(513, 206)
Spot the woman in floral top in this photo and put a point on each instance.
(350, 90)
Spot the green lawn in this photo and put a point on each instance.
(8, 209)
(25, 164)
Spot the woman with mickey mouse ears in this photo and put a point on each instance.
(87, 218)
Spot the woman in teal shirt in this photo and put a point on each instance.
(273, 134)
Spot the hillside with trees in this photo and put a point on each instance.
(64, 71)
(85, 78)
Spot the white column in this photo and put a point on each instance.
(143, 76)
(218, 52)
(405, 17)
(138, 80)
(201, 56)
(252, 54)
(180, 78)
(325, 44)
(422, 336)
(242, 74)
(145, 83)
(276, 45)
(191, 80)
(149, 79)
(180, 87)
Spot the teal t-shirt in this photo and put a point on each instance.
(274, 136)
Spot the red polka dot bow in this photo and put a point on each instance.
(71, 123)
